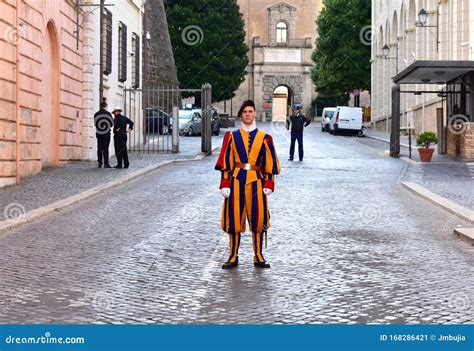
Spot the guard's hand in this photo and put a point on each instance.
(225, 192)
(267, 191)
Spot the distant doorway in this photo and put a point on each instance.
(282, 100)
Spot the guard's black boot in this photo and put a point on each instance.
(99, 165)
(258, 259)
(261, 264)
(230, 265)
(107, 166)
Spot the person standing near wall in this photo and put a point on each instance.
(103, 122)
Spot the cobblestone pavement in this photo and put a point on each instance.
(57, 183)
(347, 245)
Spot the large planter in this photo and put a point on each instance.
(425, 154)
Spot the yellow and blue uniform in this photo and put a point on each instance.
(248, 163)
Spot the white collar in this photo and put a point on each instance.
(248, 128)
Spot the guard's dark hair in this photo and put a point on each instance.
(245, 104)
(103, 105)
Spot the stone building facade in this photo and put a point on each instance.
(447, 35)
(49, 76)
(280, 37)
(40, 87)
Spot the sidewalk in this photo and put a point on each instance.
(59, 183)
(445, 176)
(404, 147)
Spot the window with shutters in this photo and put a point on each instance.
(122, 52)
(107, 37)
(135, 60)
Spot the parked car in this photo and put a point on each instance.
(157, 121)
(348, 119)
(191, 124)
(328, 113)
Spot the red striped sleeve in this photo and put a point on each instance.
(220, 161)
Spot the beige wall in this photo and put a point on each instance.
(255, 14)
(49, 117)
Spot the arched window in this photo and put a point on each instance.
(282, 32)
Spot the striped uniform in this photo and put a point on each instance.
(247, 200)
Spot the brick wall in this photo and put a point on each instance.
(467, 143)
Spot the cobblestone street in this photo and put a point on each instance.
(348, 244)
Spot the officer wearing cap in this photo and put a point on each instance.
(120, 137)
(298, 122)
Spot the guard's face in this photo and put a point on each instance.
(248, 115)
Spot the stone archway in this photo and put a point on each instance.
(49, 116)
(271, 82)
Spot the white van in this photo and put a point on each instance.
(326, 116)
(348, 119)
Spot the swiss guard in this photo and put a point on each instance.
(248, 163)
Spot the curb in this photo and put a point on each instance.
(30, 216)
(406, 159)
(466, 234)
(386, 141)
(440, 201)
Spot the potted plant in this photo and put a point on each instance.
(423, 141)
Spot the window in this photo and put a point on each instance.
(122, 52)
(282, 32)
(135, 60)
(107, 48)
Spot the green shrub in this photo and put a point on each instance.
(425, 139)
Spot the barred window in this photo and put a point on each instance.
(135, 60)
(107, 48)
(122, 52)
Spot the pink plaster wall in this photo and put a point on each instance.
(50, 84)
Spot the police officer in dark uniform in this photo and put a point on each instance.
(120, 137)
(103, 122)
(297, 121)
